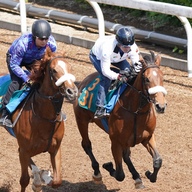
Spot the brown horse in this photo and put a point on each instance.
(132, 121)
(40, 127)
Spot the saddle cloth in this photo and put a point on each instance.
(87, 98)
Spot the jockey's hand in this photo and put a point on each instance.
(122, 78)
(29, 83)
(137, 67)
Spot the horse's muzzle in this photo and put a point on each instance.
(160, 108)
(71, 93)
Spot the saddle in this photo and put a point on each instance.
(87, 98)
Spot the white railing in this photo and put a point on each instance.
(182, 12)
(23, 16)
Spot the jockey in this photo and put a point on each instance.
(113, 50)
(23, 52)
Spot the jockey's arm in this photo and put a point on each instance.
(105, 68)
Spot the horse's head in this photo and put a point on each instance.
(153, 81)
(54, 69)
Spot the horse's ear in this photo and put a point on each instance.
(158, 59)
(142, 60)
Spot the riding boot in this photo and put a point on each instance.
(5, 118)
(100, 113)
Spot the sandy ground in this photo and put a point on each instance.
(173, 136)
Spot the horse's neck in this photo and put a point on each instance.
(133, 97)
(45, 101)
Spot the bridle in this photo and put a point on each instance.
(144, 99)
(57, 98)
(144, 96)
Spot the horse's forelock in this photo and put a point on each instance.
(149, 59)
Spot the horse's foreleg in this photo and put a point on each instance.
(118, 174)
(56, 165)
(135, 174)
(24, 179)
(157, 160)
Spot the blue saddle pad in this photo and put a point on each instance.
(17, 97)
(4, 84)
(87, 98)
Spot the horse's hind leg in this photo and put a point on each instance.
(157, 160)
(24, 179)
(135, 174)
(86, 145)
(82, 125)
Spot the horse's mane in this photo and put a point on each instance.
(39, 66)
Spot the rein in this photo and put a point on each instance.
(57, 103)
(144, 99)
(144, 96)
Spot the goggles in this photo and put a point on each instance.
(124, 46)
(42, 39)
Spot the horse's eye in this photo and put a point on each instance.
(147, 80)
(54, 71)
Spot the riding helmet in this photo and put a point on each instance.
(125, 36)
(41, 28)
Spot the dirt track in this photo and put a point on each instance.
(173, 135)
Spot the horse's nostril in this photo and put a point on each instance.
(159, 108)
(69, 92)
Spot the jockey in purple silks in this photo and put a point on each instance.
(23, 52)
(113, 50)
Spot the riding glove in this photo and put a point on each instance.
(122, 78)
(137, 67)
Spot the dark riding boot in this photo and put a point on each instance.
(5, 119)
(100, 113)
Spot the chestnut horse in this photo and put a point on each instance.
(40, 127)
(132, 121)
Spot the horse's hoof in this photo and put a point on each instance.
(97, 179)
(108, 166)
(45, 176)
(150, 176)
(139, 184)
(37, 188)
